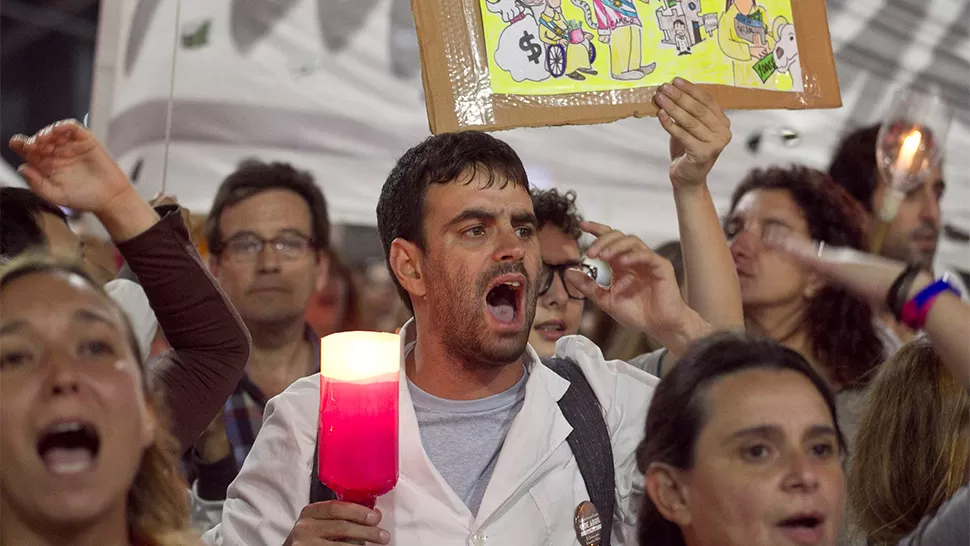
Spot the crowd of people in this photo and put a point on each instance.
(762, 381)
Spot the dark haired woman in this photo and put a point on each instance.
(742, 448)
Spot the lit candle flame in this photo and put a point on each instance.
(359, 356)
(908, 150)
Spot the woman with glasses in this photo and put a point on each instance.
(560, 305)
(786, 301)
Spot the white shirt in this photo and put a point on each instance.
(531, 498)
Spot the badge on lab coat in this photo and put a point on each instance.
(587, 524)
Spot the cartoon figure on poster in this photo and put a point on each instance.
(618, 24)
(743, 36)
(682, 23)
(785, 52)
(520, 51)
(569, 49)
(681, 41)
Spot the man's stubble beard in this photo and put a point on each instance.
(461, 323)
(906, 251)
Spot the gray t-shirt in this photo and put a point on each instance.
(464, 437)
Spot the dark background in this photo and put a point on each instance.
(46, 64)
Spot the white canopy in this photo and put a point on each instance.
(333, 86)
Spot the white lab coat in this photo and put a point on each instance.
(531, 498)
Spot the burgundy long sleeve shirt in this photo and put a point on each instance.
(210, 344)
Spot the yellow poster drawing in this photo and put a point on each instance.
(549, 47)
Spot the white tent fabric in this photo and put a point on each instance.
(333, 86)
(9, 176)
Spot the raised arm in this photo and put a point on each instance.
(948, 322)
(66, 165)
(699, 131)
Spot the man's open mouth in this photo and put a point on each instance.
(69, 447)
(504, 299)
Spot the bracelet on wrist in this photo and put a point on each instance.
(916, 310)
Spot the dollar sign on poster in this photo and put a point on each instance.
(527, 43)
(520, 52)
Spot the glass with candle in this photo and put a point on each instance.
(358, 435)
(910, 145)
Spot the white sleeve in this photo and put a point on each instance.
(273, 485)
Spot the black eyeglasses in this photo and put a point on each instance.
(289, 246)
(549, 271)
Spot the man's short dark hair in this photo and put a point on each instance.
(19, 226)
(854, 165)
(557, 209)
(253, 177)
(441, 159)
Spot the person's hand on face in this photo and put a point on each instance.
(66, 165)
(332, 523)
(699, 131)
(643, 294)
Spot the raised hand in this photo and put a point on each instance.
(643, 294)
(699, 131)
(66, 165)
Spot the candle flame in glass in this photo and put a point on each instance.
(907, 151)
(359, 356)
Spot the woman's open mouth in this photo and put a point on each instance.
(69, 447)
(804, 528)
(551, 330)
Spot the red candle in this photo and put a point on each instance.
(359, 390)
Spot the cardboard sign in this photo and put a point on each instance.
(499, 64)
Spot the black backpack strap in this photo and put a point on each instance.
(589, 440)
(318, 491)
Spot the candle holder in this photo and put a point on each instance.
(358, 434)
(910, 145)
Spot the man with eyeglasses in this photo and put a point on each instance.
(268, 234)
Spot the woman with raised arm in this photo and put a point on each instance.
(67, 166)
(787, 302)
(87, 455)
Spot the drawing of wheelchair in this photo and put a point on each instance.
(556, 54)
